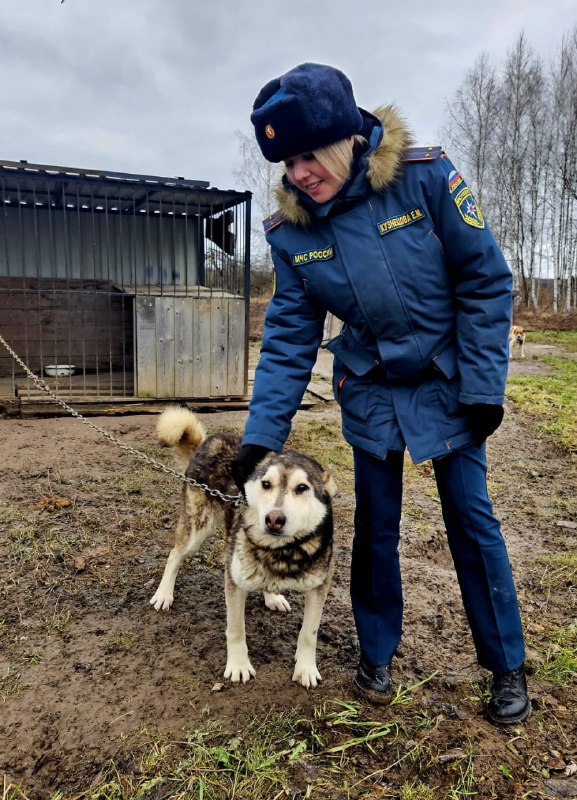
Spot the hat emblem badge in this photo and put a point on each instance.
(270, 132)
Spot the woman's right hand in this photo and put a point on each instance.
(245, 461)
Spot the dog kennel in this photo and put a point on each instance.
(122, 287)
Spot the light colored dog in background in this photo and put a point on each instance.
(517, 341)
(281, 540)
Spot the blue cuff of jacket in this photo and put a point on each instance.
(264, 441)
(488, 399)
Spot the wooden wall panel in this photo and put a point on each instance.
(183, 339)
(218, 348)
(200, 346)
(236, 347)
(165, 350)
(66, 324)
(189, 347)
(145, 361)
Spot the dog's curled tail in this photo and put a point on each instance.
(178, 427)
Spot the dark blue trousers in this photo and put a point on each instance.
(476, 544)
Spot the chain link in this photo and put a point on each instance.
(235, 499)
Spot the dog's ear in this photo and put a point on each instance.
(329, 483)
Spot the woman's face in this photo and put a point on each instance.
(305, 172)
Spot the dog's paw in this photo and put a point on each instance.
(276, 602)
(237, 671)
(307, 674)
(161, 601)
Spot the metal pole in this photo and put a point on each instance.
(247, 229)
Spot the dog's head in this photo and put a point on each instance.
(517, 334)
(288, 497)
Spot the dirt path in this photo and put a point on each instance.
(87, 666)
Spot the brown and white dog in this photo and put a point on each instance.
(281, 540)
(517, 341)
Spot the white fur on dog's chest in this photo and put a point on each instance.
(257, 579)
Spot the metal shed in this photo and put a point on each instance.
(136, 285)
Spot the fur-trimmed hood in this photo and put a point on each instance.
(381, 164)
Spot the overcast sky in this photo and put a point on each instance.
(160, 86)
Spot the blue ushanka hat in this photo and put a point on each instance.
(310, 106)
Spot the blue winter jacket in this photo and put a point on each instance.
(403, 256)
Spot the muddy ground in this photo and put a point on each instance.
(87, 666)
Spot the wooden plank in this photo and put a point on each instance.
(218, 347)
(235, 347)
(318, 391)
(183, 363)
(145, 324)
(16, 319)
(194, 291)
(164, 346)
(112, 408)
(201, 349)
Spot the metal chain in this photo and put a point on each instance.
(235, 499)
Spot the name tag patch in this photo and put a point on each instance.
(310, 256)
(400, 221)
(464, 200)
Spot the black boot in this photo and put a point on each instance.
(509, 701)
(374, 681)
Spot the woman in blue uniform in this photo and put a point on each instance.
(389, 239)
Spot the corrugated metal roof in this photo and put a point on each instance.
(121, 192)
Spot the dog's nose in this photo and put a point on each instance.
(275, 521)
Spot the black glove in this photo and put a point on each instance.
(245, 461)
(484, 419)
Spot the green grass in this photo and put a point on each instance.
(10, 684)
(121, 642)
(560, 571)
(11, 514)
(322, 440)
(324, 755)
(555, 659)
(551, 398)
(554, 648)
(12, 792)
(565, 339)
(418, 791)
(59, 623)
(284, 755)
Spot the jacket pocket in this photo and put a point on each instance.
(338, 387)
(367, 412)
(433, 240)
(444, 385)
(446, 361)
(444, 394)
(353, 394)
(353, 355)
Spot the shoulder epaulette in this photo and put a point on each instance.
(423, 153)
(273, 220)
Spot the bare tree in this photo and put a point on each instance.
(538, 181)
(260, 177)
(517, 133)
(563, 239)
(519, 163)
(472, 112)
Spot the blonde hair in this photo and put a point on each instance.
(336, 158)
